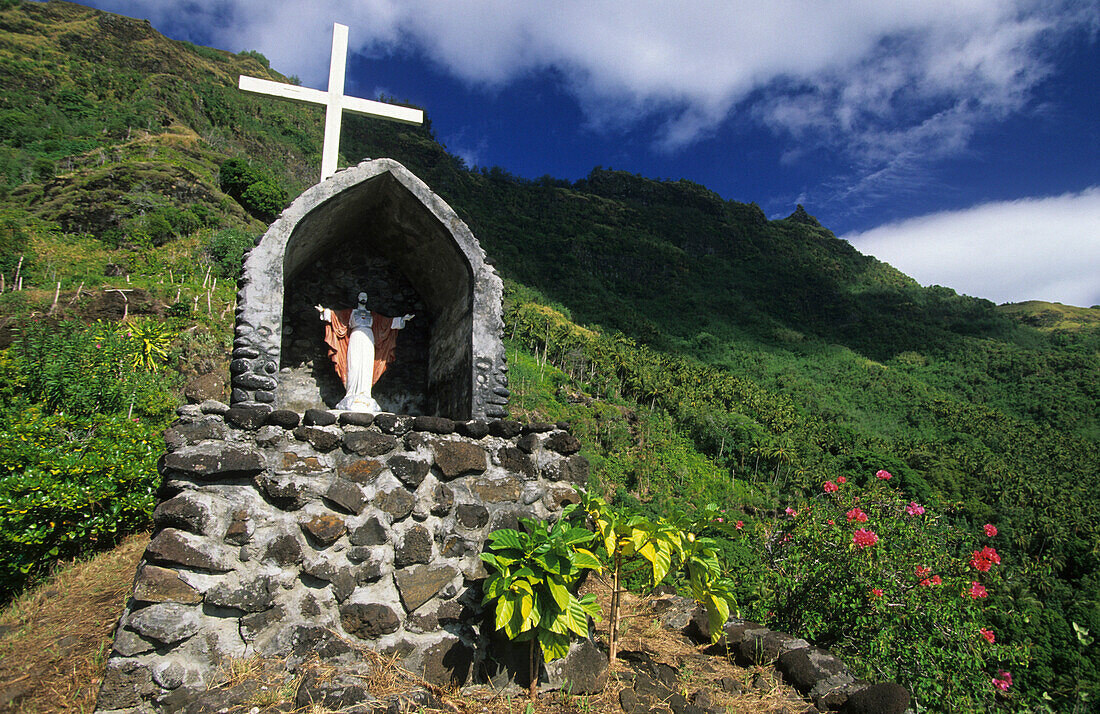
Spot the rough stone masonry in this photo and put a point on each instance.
(285, 536)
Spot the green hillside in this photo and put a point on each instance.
(699, 347)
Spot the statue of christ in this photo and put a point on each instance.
(361, 346)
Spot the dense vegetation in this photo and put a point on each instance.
(704, 352)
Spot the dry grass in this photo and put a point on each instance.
(641, 632)
(54, 639)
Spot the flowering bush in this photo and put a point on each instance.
(889, 584)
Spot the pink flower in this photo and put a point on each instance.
(982, 560)
(877, 592)
(914, 509)
(922, 571)
(720, 520)
(1003, 680)
(864, 538)
(977, 591)
(929, 582)
(739, 525)
(857, 515)
(988, 635)
(830, 487)
(990, 529)
(841, 479)
(791, 512)
(831, 522)
(883, 475)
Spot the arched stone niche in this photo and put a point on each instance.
(375, 223)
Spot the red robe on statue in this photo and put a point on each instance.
(336, 337)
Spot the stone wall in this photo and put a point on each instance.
(286, 536)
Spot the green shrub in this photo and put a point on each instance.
(68, 485)
(256, 55)
(264, 199)
(83, 370)
(226, 249)
(256, 190)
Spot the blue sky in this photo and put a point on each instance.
(958, 140)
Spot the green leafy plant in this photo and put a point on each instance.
(535, 575)
(665, 544)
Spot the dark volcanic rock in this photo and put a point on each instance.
(517, 461)
(399, 503)
(458, 458)
(346, 495)
(253, 596)
(448, 663)
(368, 621)
(285, 418)
(369, 443)
(326, 528)
(283, 491)
(318, 417)
(582, 671)
(284, 550)
(361, 471)
(433, 425)
(156, 584)
(185, 512)
(471, 515)
(317, 437)
(563, 442)
(175, 546)
(393, 423)
(472, 429)
(415, 547)
(419, 584)
(504, 428)
(247, 417)
(184, 434)
(356, 419)
(372, 532)
(885, 698)
(214, 460)
(411, 472)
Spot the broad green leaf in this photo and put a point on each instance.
(559, 593)
(591, 606)
(585, 559)
(505, 609)
(526, 604)
(718, 611)
(508, 538)
(554, 646)
(576, 618)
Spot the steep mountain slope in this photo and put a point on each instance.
(768, 353)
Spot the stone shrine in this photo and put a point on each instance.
(291, 532)
(374, 227)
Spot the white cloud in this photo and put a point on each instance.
(888, 86)
(882, 73)
(1030, 249)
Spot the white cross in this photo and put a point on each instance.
(334, 100)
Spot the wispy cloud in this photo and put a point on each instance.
(889, 85)
(1031, 249)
